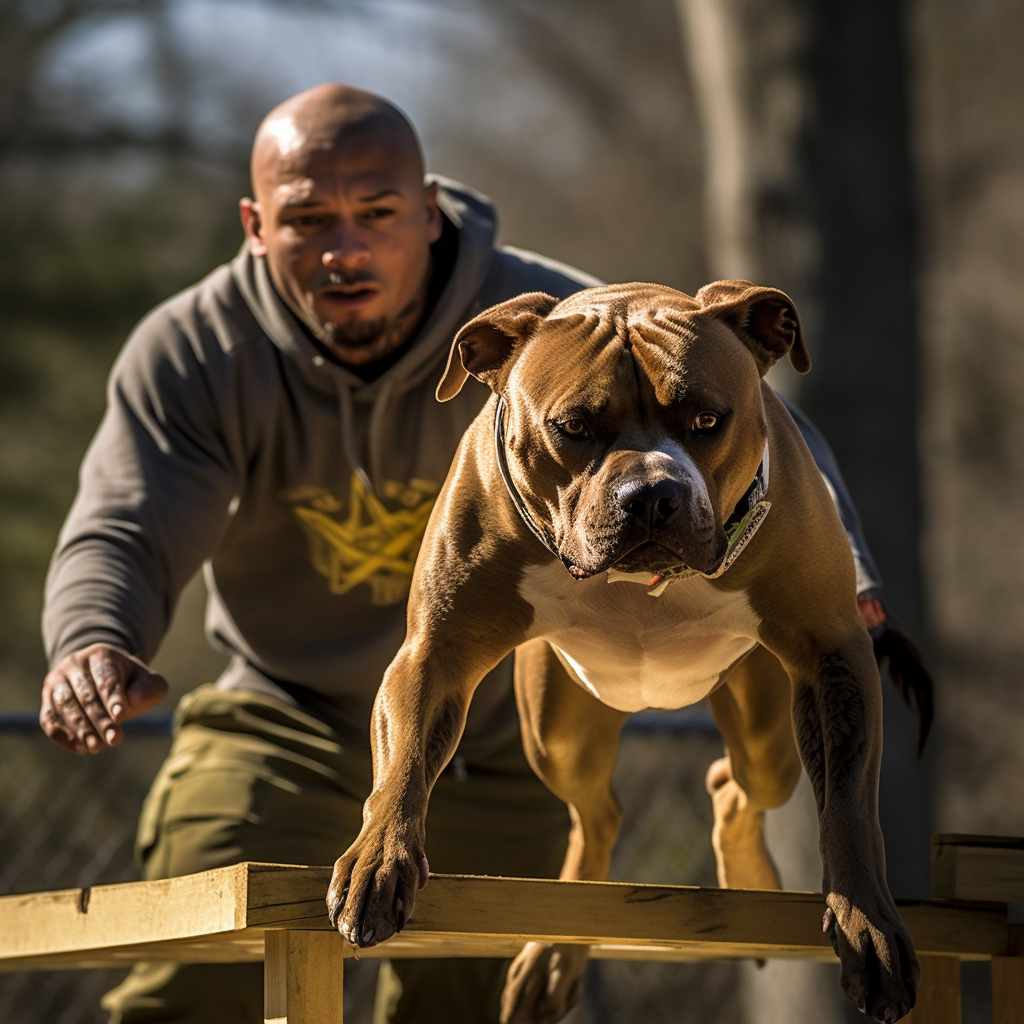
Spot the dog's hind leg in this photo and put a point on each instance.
(759, 771)
(571, 740)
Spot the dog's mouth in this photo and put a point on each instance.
(648, 557)
(651, 557)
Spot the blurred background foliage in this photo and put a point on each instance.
(124, 135)
(865, 155)
(124, 131)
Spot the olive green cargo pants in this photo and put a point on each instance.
(249, 778)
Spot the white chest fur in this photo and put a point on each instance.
(633, 651)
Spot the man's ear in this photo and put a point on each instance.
(764, 319)
(252, 224)
(434, 221)
(485, 347)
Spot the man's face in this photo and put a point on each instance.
(346, 231)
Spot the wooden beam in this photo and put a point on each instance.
(303, 978)
(966, 867)
(938, 997)
(105, 918)
(666, 922)
(1008, 981)
(224, 915)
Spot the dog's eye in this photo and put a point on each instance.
(573, 426)
(704, 421)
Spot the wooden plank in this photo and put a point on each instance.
(223, 914)
(109, 916)
(938, 997)
(303, 978)
(1008, 981)
(228, 947)
(1008, 990)
(683, 922)
(978, 868)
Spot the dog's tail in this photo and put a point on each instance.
(897, 655)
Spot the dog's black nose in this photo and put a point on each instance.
(654, 503)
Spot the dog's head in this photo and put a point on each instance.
(635, 421)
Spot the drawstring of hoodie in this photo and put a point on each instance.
(348, 437)
(375, 429)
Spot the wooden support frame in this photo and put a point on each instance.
(303, 977)
(979, 868)
(276, 912)
(1008, 981)
(938, 997)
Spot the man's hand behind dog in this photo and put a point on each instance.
(91, 692)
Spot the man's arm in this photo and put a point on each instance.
(155, 492)
(869, 579)
(895, 652)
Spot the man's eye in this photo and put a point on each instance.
(573, 427)
(704, 421)
(379, 213)
(308, 220)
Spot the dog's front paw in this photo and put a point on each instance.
(544, 983)
(374, 887)
(880, 972)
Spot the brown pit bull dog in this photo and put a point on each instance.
(638, 514)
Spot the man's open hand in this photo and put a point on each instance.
(91, 692)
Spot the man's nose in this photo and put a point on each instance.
(346, 248)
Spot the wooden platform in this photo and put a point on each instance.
(276, 913)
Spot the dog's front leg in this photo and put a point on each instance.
(837, 715)
(417, 721)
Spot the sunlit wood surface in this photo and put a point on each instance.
(224, 915)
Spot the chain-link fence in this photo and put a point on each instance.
(67, 822)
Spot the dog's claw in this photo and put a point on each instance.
(829, 925)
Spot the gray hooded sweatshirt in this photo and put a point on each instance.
(230, 442)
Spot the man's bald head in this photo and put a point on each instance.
(327, 119)
(344, 220)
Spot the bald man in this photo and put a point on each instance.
(275, 425)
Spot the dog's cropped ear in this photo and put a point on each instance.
(485, 346)
(764, 319)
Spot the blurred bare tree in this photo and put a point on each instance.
(805, 112)
(101, 215)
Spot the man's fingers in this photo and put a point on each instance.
(111, 680)
(99, 726)
(56, 731)
(91, 692)
(66, 711)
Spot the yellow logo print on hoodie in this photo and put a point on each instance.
(373, 544)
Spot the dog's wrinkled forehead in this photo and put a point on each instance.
(650, 325)
(764, 320)
(623, 306)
